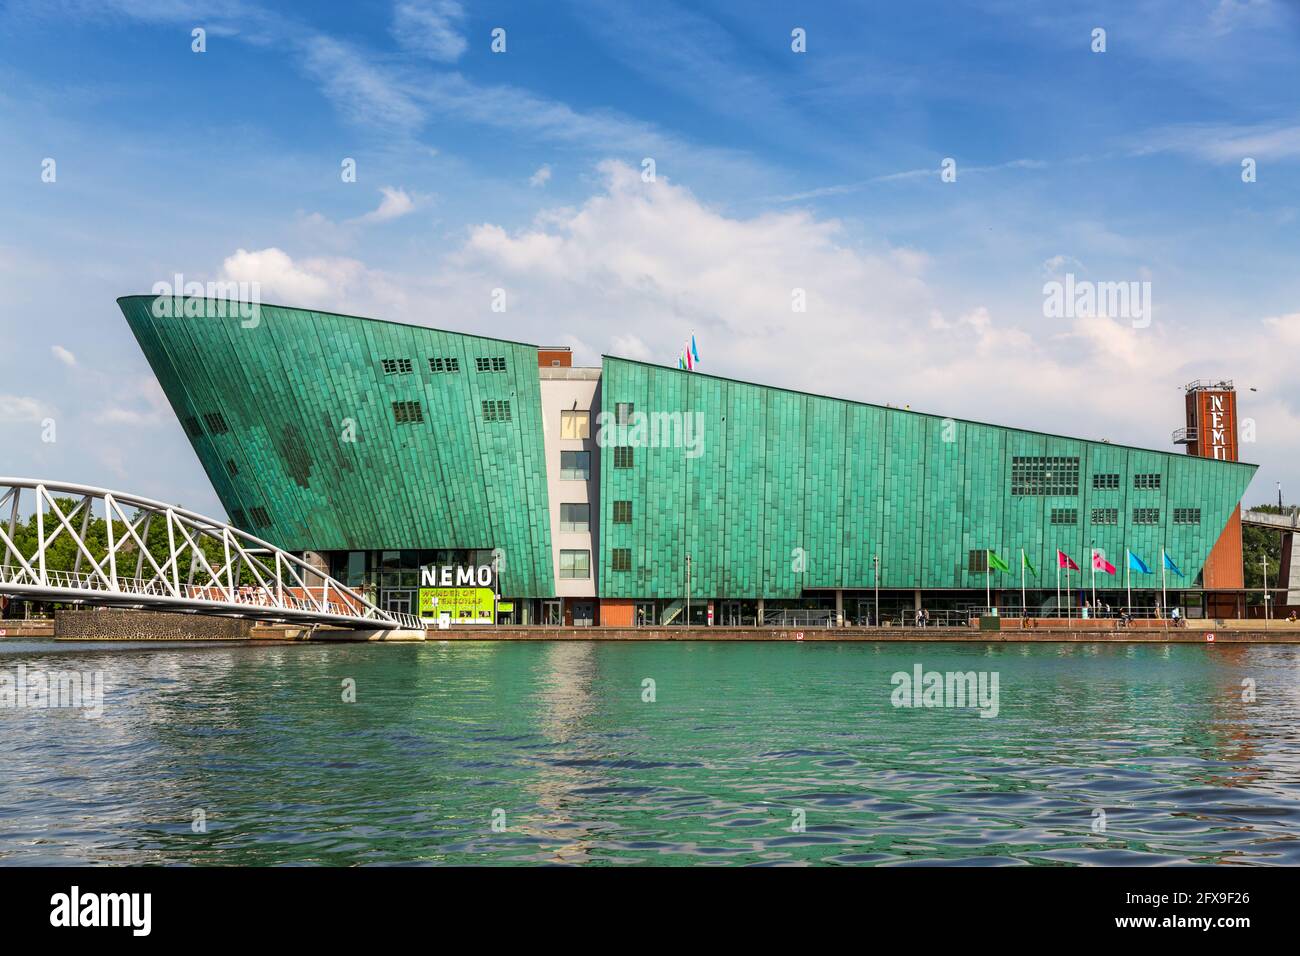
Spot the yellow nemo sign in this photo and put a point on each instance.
(464, 605)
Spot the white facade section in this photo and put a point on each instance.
(572, 390)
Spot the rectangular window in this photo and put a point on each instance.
(575, 518)
(977, 562)
(1146, 515)
(1147, 482)
(575, 564)
(1187, 516)
(623, 456)
(238, 519)
(496, 410)
(623, 413)
(575, 465)
(1065, 516)
(232, 467)
(1105, 482)
(622, 512)
(444, 365)
(193, 427)
(216, 423)
(1105, 516)
(575, 424)
(1044, 476)
(398, 366)
(260, 516)
(621, 559)
(493, 363)
(407, 413)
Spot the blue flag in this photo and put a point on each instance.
(695, 353)
(1169, 565)
(1137, 564)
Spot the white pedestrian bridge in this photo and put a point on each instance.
(134, 552)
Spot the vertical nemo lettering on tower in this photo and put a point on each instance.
(1212, 412)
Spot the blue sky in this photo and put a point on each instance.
(775, 170)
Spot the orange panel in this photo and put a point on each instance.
(1223, 568)
(616, 613)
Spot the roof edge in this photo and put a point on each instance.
(909, 411)
(342, 315)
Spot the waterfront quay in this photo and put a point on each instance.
(125, 625)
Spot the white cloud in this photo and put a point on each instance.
(541, 177)
(429, 28)
(22, 409)
(395, 204)
(147, 406)
(1226, 144)
(64, 356)
(365, 93)
(316, 282)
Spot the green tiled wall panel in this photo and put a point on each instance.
(846, 482)
(287, 389)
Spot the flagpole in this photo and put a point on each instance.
(1058, 582)
(1023, 608)
(1164, 598)
(1093, 564)
(1128, 579)
(988, 583)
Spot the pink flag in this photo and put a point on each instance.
(1063, 560)
(1101, 564)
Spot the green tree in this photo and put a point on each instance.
(1259, 545)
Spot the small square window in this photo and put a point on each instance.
(1105, 516)
(622, 512)
(575, 466)
(231, 467)
(575, 518)
(398, 366)
(496, 410)
(621, 559)
(408, 413)
(494, 363)
(575, 424)
(438, 365)
(575, 564)
(623, 413)
(260, 516)
(216, 423)
(623, 456)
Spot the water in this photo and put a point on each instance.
(556, 737)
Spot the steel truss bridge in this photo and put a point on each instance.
(209, 567)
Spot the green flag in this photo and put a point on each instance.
(997, 564)
(1024, 557)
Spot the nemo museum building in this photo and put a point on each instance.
(462, 475)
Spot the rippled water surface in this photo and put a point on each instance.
(555, 742)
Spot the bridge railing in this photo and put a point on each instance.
(200, 564)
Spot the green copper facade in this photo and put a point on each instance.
(785, 480)
(295, 422)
